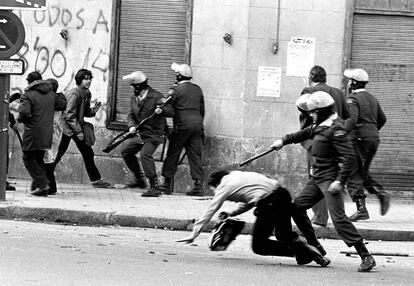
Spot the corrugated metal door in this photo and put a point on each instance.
(152, 35)
(384, 46)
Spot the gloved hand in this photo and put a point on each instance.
(158, 110)
(81, 136)
(335, 187)
(132, 129)
(277, 145)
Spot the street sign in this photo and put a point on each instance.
(12, 34)
(23, 5)
(12, 67)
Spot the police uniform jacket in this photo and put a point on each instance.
(154, 128)
(333, 155)
(188, 104)
(36, 110)
(366, 115)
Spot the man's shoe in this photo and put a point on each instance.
(384, 199)
(196, 193)
(359, 215)
(152, 192)
(368, 262)
(101, 184)
(140, 184)
(40, 192)
(9, 187)
(306, 253)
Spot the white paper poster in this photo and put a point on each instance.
(300, 56)
(268, 81)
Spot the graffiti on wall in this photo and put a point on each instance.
(86, 46)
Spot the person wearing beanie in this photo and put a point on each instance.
(36, 111)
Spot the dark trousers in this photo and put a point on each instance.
(192, 140)
(33, 161)
(274, 218)
(86, 152)
(147, 149)
(366, 148)
(308, 197)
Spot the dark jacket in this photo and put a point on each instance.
(333, 155)
(367, 116)
(188, 104)
(338, 96)
(36, 110)
(78, 107)
(154, 128)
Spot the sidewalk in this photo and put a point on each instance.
(84, 205)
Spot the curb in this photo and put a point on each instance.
(91, 218)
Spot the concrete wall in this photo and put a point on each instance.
(238, 123)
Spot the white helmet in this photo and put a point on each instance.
(135, 77)
(318, 100)
(357, 74)
(183, 69)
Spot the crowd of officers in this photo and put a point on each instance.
(339, 133)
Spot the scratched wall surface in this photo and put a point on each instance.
(88, 25)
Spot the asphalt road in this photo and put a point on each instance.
(47, 254)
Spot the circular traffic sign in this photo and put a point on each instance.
(12, 34)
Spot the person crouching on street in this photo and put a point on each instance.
(273, 214)
(333, 158)
(144, 103)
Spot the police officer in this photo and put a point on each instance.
(317, 82)
(333, 158)
(366, 118)
(144, 103)
(188, 133)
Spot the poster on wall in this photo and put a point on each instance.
(268, 81)
(300, 56)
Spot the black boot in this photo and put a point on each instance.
(361, 213)
(154, 190)
(167, 186)
(197, 190)
(368, 261)
(383, 197)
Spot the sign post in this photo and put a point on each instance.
(12, 36)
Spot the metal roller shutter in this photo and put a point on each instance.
(152, 35)
(384, 46)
